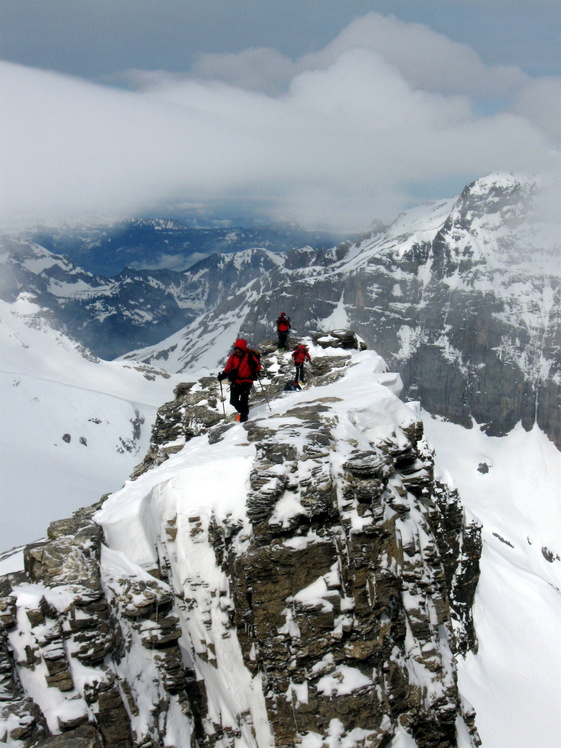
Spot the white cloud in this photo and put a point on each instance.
(427, 59)
(540, 103)
(334, 139)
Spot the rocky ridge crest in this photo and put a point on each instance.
(334, 606)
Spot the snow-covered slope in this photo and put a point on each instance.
(512, 485)
(73, 426)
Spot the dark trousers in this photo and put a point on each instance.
(299, 372)
(283, 338)
(239, 398)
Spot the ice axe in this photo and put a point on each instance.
(266, 398)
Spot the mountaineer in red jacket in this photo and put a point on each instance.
(300, 355)
(242, 368)
(283, 326)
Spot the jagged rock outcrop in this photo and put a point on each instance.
(301, 576)
(64, 625)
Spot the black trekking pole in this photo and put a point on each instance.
(266, 398)
(222, 398)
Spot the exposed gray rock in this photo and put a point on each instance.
(359, 625)
(84, 736)
(339, 339)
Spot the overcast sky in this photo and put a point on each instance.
(330, 112)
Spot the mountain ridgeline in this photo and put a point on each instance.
(106, 247)
(462, 297)
(136, 307)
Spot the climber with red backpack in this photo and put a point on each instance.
(283, 326)
(241, 370)
(299, 355)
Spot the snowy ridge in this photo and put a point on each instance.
(300, 562)
(412, 227)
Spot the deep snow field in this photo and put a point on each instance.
(514, 681)
(73, 426)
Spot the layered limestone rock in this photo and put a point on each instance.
(328, 603)
(65, 626)
(350, 608)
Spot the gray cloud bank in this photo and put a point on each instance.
(334, 139)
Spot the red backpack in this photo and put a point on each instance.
(254, 361)
(299, 354)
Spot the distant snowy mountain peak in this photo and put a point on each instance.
(492, 223)
(462, 296)
(258, 258)
(501, 190)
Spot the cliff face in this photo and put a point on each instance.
(463, 297)
(301, 578)
(464, 302)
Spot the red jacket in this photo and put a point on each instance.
(238, 367)
(283, 323)
(301, 354)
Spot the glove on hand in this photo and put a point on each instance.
(221, 376)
